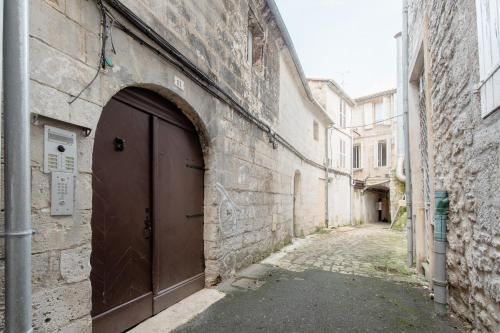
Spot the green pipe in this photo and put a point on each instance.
(439, 276)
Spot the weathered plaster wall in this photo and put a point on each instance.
(248, 184)
(339, 200)
(339, 186)
(465, 153)
(297, 114)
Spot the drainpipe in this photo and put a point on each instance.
(439, 273)
(408, 187)
(400, 125)
(351, 179)
(327, 176)
(17, 168)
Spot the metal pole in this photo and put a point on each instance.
(17, 168)
(408, 187)
(327, 176)
(351, 178)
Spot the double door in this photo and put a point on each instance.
(147, 215)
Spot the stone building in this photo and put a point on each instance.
(339, 106)
(454, 99)
(153, 113)
(375, 122)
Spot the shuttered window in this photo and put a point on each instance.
(342, 154)
(382, 154)
(356, 157)
(379, 112)
(488, 26)
(368, 111)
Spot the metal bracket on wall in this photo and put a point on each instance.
(35, 120)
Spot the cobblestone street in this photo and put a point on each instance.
(372, 250)
(351, 279)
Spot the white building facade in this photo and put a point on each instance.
(339, 107)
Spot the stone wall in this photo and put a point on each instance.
(248, 183)
(465, 153)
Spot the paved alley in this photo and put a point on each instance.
(351, 279)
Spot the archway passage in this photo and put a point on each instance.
(147, 218)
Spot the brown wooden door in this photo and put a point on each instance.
(147, 220)
(179, 256)
(121, 247)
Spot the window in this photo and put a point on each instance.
(488, 27)
(250, 47)
(315, 130)
(356, 156)
(379, 112)
(368, 115)
(342, 114)
(382, 154)
(255, 42)
(342, 153)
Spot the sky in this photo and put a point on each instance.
(350, 41)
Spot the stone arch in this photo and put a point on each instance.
(203, 136)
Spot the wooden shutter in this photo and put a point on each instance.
(488, 27)
(388, 149)
(368, 111)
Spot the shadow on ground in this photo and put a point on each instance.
(319, 301)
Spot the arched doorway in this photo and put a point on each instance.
(296, 202)
(147, 218)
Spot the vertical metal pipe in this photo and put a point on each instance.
(327, 176)
(17, 168)
(351, 177)
(439, 277)
(408, 187)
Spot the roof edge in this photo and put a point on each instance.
(375, 95)
(337, 87)
(293, 53)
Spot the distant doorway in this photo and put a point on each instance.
(296, 203)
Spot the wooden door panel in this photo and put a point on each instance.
(179, 208)
(121, 182)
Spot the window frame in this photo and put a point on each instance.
(488, 27)
(342, 114)
(356, 157)
(381, 144)
(343, 153)
(382, 109)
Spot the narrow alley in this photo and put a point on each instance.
(351, 279)
(250, 166)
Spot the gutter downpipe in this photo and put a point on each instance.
(17, 183)
(351, 179)
(439, 273)
(400, 122)
(408, 187)
(327, 176)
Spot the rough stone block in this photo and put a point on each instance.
(75, 264)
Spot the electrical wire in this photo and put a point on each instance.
(377, 122)
(102, 54)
